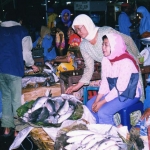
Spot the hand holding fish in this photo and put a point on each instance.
(99, 105)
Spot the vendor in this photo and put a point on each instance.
(120, 86)
(45, 40)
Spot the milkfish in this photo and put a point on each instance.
(50, 106)
(43, 115)
(64, 108)
(34, 115)
(50, 119)
(50, 66)
(66, 116)
(39, 102)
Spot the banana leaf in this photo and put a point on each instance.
(24, 108)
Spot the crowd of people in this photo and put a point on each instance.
(115, 50)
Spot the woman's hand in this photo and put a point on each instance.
(146, 114)
(74, 88)
(98, 105)
(71, 89)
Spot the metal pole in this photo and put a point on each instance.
(14, 4)
(45, 11)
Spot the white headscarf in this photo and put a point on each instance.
(89, 25)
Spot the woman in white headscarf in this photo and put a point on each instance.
(91, 46)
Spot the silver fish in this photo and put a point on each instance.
(63, 110)
(50, 119)
(55, 121)
(50, 106)
(50, 66)
(43, 115)
(39, 102)
(66, 116)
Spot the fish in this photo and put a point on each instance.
(113, 147)
(39, 102)
(66, 116)
(63, 110)
(50, 106)
(79, 132)
(48, 71)
(106, 143)
(50, 66)
(93, 142)
(70, 97)
(76, 138)
(43, 115)
(55, 121)
(72, 146)
(34, 115)
(50, 119)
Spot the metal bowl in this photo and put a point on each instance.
(145, 41)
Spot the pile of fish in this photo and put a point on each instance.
(91, 140)
(51, 110)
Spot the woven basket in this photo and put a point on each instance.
(42, 139)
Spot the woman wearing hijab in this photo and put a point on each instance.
(65, 23)
(120, 86)
(144, 28)
(91, 49)
(45, 40)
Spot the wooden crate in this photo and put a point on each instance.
(34, 93)
(42, 139)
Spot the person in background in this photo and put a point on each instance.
(124, 20)
(74, 39)
(120, 85)
(60, 39)
(45, 40)
(65, 23)
(15, 48)
(51, 18)
(144, 27)
(91, 50)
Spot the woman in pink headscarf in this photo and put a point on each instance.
(120, 86)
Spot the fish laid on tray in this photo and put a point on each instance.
(51, 110)
(91, 140)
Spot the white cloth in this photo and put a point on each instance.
(52, 132)
(88, 24)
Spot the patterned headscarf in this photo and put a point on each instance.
(145, 21)
(89, 25)
(68, 22)
(118, 49)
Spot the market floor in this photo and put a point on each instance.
(5, 143)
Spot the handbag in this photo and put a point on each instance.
(130, 91)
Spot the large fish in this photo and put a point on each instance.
(39, 102)
(63, 110)
(43, 115)
(65, 116)
(50, 106)
(34, 115)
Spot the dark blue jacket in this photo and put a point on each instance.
(11, 57)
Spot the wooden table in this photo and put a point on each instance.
(68, 78)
